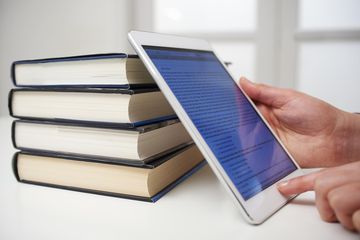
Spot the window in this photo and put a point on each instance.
(229, 25)
(328, 58)
(291, 43)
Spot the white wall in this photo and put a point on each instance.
(39, 29)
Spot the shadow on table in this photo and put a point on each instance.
(304, 202)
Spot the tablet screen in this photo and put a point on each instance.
(246, 149)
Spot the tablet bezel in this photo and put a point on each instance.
(261, 206)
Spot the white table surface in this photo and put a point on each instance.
(199, 208)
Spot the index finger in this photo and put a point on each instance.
(299, 184)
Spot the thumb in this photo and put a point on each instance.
(261, 93)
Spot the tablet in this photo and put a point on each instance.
(233, 136)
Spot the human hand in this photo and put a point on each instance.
(337, 192)
(316, 133)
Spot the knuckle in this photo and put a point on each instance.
(320, 185)
(336, 200)
(261, 85)
(260, 90)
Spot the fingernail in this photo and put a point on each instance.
(283, 184)
(244, 79)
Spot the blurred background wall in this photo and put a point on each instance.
(50, 28)
(309, 45)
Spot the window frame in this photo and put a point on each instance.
(276, 39)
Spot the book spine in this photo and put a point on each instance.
(12, 74)
(10, 101)
(15, 166)
(13, 134)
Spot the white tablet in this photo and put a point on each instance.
(235, 139)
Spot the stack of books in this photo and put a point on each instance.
(97, 124)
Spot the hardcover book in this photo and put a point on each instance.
(107, 106)
(96, 70)
(140, 144)
(148, 182)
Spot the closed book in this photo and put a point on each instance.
(111, 106)
(96, 70)
(147, 183)
(140, 144)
